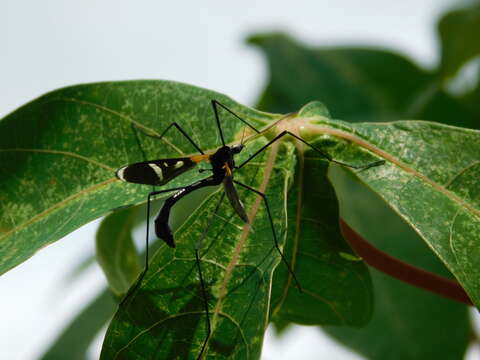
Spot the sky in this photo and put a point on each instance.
(53, 43)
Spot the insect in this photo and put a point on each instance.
(223, 167)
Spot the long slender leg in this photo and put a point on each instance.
(137, 139)
(264, 197)
(215, 103)
(205, 300)
(179, 128)
(144, 271)
(140, 278)
(324, 154)
(198, 246)
(199, 243)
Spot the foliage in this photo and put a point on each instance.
(59, 154)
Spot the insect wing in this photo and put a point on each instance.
(155, 172)
(232, 196)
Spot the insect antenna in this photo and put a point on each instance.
(243, 136)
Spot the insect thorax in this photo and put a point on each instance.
(222, 156)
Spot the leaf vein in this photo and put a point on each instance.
(60, 152)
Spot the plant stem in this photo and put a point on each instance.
(402, 271)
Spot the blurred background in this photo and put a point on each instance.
(51, 44)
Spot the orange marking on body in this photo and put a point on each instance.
(227, 169)
(200, 158)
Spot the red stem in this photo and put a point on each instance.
(402, 271)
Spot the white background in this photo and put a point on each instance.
(53, 43)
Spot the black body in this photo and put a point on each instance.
(222, 165)
(159, 172)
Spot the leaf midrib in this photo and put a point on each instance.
(315, 129)
(269, 164)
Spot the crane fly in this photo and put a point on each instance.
(222, 161)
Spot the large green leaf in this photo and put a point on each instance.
(59, 154)
(350, 81)
(430, 181)
(71, 159)
(356, 84)
(335, 289)
(333, 282)
(472, 99)
(440, 327)
(458, 31)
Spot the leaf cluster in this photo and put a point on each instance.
(59, 154)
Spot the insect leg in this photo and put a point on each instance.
(178, 127)
(264, 197)
(324, 154)
(137, 139)
(199, 243)
(144, 271)
(198, 246)
(205, 300)
(215, 103)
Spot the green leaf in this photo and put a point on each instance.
(458, 31)
(59, 174)
(440, 327)
(116, 251)
(59, 154)
(74, 341)
(430, 181)
(357, 84)
(336, 288)
(472, 99)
